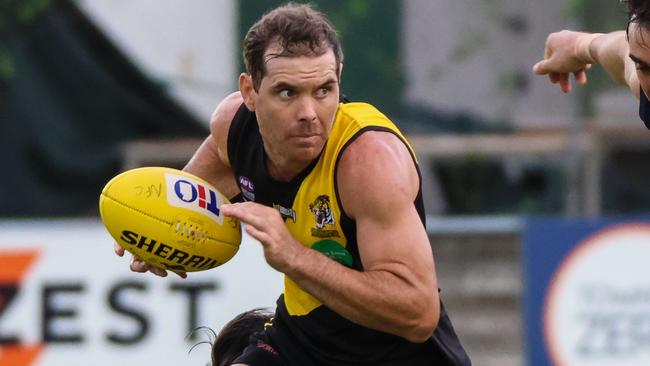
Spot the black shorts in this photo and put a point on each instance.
(260, 353)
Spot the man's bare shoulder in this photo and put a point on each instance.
(377, 148)
(224, 114)
(220, 124)
(377, 162)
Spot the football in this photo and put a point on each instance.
(169, 219)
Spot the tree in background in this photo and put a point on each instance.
(14, 13)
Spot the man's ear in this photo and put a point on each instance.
(340, 71)
(247, 90)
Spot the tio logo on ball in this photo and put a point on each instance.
(187, 193)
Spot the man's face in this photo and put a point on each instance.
(640, 53)
(295, 105)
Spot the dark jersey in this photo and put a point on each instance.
(304, 331)
(644, 108)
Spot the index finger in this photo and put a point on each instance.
(249, 213)
(237, 210)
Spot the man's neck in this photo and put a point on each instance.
(284, 171)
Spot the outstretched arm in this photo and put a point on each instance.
(569, 52)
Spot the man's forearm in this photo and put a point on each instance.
(611, 51)
(377, 299)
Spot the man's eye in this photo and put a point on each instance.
(640, 66)
(322, 92)
(286, 93)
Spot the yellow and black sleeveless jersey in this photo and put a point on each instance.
(304, 331)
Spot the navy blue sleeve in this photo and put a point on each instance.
(644, 108)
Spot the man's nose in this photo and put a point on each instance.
(306, 109)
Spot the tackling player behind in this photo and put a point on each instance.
(624, 54)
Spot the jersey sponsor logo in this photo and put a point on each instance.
(286, 213)
(188, 193)
(247, 188)
(323, 215)
(334, 250)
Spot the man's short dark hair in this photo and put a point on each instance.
(638, 12)
(298, 29)
(234, 336)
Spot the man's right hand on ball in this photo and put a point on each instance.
(140, 266)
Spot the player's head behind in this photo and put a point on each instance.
(298, 30)
(234, 336)
(638, 36)
(639, 16)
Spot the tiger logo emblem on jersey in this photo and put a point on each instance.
(321, 209)
(323, 214)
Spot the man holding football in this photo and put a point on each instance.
(332, 191)
(625, 55)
